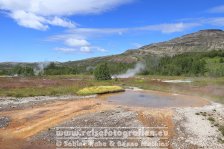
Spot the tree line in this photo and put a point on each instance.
(187, 64)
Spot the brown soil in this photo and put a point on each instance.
(28, 122)
(18, 82)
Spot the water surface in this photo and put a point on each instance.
(155, 99)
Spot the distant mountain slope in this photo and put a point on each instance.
(201, 41)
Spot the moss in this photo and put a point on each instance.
(211, 119)
(99, 90)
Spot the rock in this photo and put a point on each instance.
(4, 121)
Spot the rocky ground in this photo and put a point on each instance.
(32, 122)
(13, 103)
(4, 122)
(120, 117)
(198, 127)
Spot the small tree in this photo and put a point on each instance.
(23, 71)
(102, 72)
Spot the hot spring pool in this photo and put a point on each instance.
(155, 99)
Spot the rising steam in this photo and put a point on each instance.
(131, 72)
(40, 67)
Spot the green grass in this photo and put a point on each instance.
(99, 90)
(31, 92)
(63, 87)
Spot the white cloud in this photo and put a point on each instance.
(61, 7)
(84, 33)
(101, 49)
(85, 49)
(76, 42)
(66, 50)
(215, 21)
(61, 22)
(38, 14)
(34, 21)
(79, 45)
(29, 20)
(218, 9)
(170, 28)
(75, 50)
(76, 38)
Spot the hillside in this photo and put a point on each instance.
(201, 41)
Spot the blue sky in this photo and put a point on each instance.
(67, 30)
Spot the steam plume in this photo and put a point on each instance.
(131, 72)
(40, 67)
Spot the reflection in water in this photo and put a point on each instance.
(153, 99)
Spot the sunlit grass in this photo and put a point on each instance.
(99, 90)
(31, 92)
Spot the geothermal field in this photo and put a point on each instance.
(111, 74)
(189, 113)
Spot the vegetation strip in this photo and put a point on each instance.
(99, 90)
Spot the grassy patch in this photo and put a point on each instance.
(70, 84)
(45, 91)
(99, 90)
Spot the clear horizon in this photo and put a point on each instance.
(39, 31)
